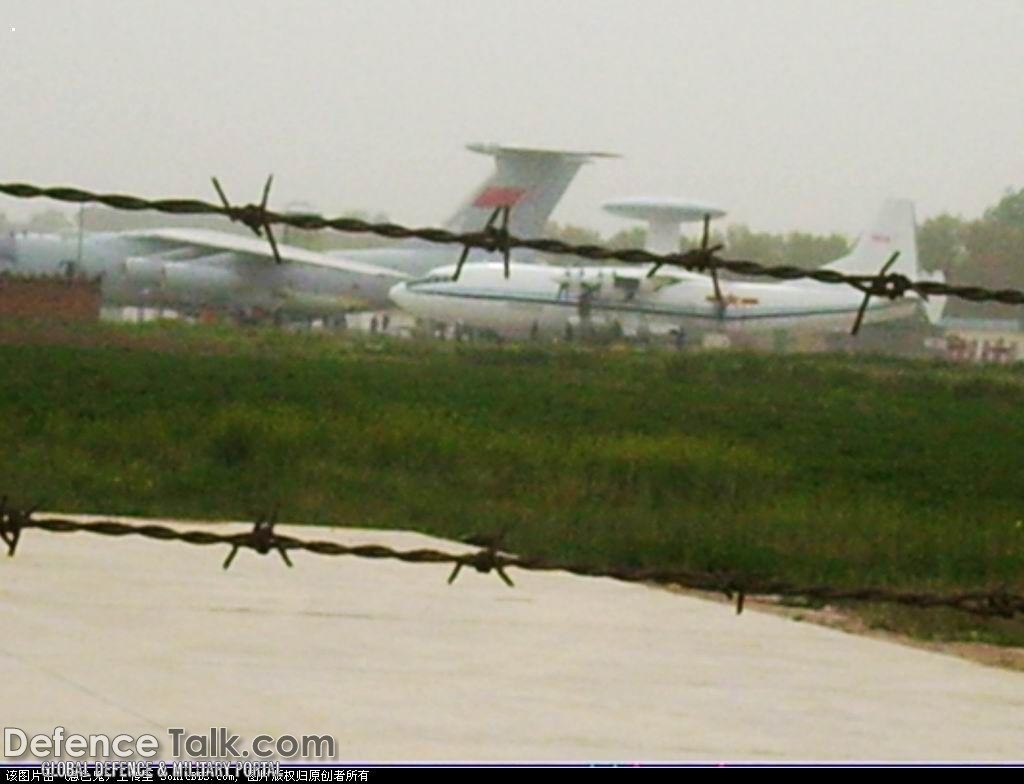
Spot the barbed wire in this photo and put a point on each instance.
(495, 237)
(490, 557)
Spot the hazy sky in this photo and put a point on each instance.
(790, 113)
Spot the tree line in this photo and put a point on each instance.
(797, 248)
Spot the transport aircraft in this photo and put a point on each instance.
(194, 269)
(648, 299)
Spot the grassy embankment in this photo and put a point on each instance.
(809, 468)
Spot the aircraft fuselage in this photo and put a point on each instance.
(539, 298)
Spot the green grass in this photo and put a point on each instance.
(808, 468)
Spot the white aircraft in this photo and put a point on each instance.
(643, 299)
(191, 269)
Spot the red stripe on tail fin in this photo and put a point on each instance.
(499, 197)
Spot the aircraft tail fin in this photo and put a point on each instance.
(530, 181)
(894, 229)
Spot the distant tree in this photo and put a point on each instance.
(993, 258)
(987, 252)
(1009, 211)
(574, 235)
(940, 243)
(796, 248)
(635, 237)
(813, 250)
(995, 251)
(743, 243)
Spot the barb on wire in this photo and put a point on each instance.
(495, 239)
(12, 522)
(488, 559)
(468, 247)
(880, 285)
(499, 238)
(252, 215)
(263, 539)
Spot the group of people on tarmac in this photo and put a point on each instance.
(380, 324)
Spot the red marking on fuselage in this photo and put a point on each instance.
(732, 299)
(881, 238)
(499, 197)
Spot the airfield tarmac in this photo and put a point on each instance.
(130, 635)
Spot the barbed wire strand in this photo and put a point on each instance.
(496, 238)
(263, 539)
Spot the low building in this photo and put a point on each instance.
(990, 340)
(57, 298)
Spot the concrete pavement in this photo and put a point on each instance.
(104, 635)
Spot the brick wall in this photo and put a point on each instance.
(62, 299)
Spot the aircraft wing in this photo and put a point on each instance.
(259, 250)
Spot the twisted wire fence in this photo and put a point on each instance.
(497, 238)
(489, 557)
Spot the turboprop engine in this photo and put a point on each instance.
(147, 272)
(143, 271)
(205, 280)
(307, 304)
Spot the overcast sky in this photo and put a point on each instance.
(790, 113)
